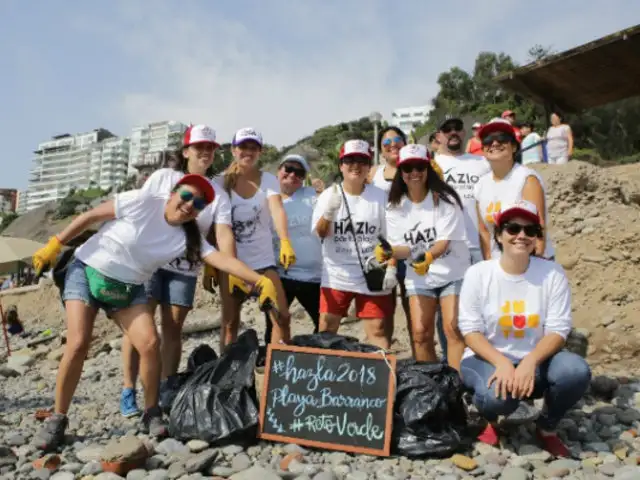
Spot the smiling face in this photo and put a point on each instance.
(391, 144)
(291, 175)
(517, 236)
(184, 205)
(355, 168)
(414, 173)
(247, 154)
(451, 134)
(199, 156)
(498, 147)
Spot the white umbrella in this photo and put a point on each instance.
(14, 250)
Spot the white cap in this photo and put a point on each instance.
(245, 134)
(356, 148)
(298, 159)
(199, 134)
(413, 151)
(476, 125)
(522, 208)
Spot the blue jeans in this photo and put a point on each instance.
(476, 256)
(172, 288)
(562, 380)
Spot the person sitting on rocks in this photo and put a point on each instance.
(515, 315)
(11, 319)
(142, 233)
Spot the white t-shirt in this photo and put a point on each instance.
(251, 225)
(341, 269)
(462, 173)
(492, 194)
(419, 226)
(514, 312)
(160, 183)
(138, 242)
(379, 181)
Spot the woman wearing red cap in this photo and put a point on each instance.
(141, 233)
(515, 315)
(173, 286)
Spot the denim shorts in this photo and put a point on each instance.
(452, 288)
(76, 287)
(172, 288)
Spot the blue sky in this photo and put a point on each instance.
(284, 67)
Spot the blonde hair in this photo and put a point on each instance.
(231, 175)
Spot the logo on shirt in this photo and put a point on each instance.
(243, 230)
(492, 209)
(460, 178)
(417, 235)
(514, 321)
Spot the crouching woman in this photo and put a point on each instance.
(143, 232)
(515, 315)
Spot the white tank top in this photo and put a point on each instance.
(558, 141)
(379, 181)
(491, 195)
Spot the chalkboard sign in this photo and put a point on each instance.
(328, 399)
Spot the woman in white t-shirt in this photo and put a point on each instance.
(559, 141)
(426, 227)
(349, 231)
(255, 203)
(173, 286)
(508, 182)
(515, 315)
(142, 232)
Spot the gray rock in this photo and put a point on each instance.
(231, 450)
(63, 476)
(514, 473)
(241, 462)
(256, 473)
(201, 461)
(137, 474)
(158, 474)
(325, 475)
(91, 468)
(177, 470)
(88, 454)
(108, 476)
(171, 446)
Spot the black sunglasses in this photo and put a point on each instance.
(497, 137)
(298, 172)
(452, 127)
(356, 159)
(532, 230)
(410, 167)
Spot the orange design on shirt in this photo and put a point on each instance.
(492, 208)
(514, 321)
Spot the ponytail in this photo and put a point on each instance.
(194, 242)
(231, 176)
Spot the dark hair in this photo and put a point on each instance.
(558, 114)
(390, 128)
(434, 184)
(432, 136)
(193, 239)
(182, 164)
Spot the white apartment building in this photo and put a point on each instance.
(148, 140)
(408, 117)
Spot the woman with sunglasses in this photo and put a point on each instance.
(349, 217)
(508, 182)
(173, 286)
(426, 227)
(515, 315)
(255, 203)
(142, 232)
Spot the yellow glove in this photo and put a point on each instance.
(422, 267)
(268, 296)
(210, 278)
(287, 255)
(237, 286)
(44, 257)
(381, 254)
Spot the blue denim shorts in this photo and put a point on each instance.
(452, 288)
(76, 287)
(172, 288)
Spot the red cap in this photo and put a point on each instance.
(497, 125)
(356, 148)
(199, 134)
(522, 208)
(201, 183)
(507, 113)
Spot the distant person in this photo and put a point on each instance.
(434, 144)
(12, 321)
(531, 145)
(474, 145)
(510, 116)
(559, 141)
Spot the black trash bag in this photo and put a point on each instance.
(200, 355)
(332, 341)
(429, 415)
(218, 403)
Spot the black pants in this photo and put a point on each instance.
(308, 294)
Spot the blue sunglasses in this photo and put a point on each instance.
(199, 203)
(388, 141)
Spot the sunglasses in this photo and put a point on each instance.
(532, 230)
(356, 160)
(452, 127)
(501, 138)
(410, 167)
(388, 141)
(199, 203)
(298, 172)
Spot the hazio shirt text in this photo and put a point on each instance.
(341, 269)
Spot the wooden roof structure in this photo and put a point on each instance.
(596, 73)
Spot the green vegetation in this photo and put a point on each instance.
(6, 219)
(78, 200)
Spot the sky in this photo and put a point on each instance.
(285, 67)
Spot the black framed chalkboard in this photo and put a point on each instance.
(328, 399)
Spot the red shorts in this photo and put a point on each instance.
(336, 302)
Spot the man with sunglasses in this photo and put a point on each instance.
(302, 280)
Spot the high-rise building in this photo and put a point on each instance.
(147, 141)
(109, 162)
(407, 118)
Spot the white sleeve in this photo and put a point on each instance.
(449, 222)
(558, 309)
(318, 210)
(154, 184)
(222, 213)
(128, 204)
(471, 303)
(205, 247)
(270, 184)
(394, 227)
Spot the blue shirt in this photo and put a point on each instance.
(532, 155)
(308, 266)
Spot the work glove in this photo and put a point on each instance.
(422, 263)
(46, 256)
(333, 205)
(287, 255)
(210, 278)
(383, 253)
(268, 296)
(238, 287)
(390, 279)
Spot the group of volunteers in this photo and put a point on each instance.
(460, 238)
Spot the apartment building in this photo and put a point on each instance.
(148, 141)
(109, 162)
(407, 118)
(8, 200)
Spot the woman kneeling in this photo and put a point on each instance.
(143, 232)
(515, 315)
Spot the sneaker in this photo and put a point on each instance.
(489, 436)
(51, 435)
(153, 424)
(525, 413)
(128, 406)
(552, 443)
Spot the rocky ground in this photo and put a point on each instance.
(595, 218)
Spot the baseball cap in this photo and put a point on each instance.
(246, 134)
(413, 152)
(296, 158)
(199, 134)
(449, 119)
(356, 148)
(507, 113)
(497, 125)
(522, 208)
(201, 183)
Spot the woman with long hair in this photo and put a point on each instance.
(515, 315)
(426, 227)
(173, 286)
(255, 202)
(142, 232)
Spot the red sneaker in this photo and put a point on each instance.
(552, 444)
(489, 436)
